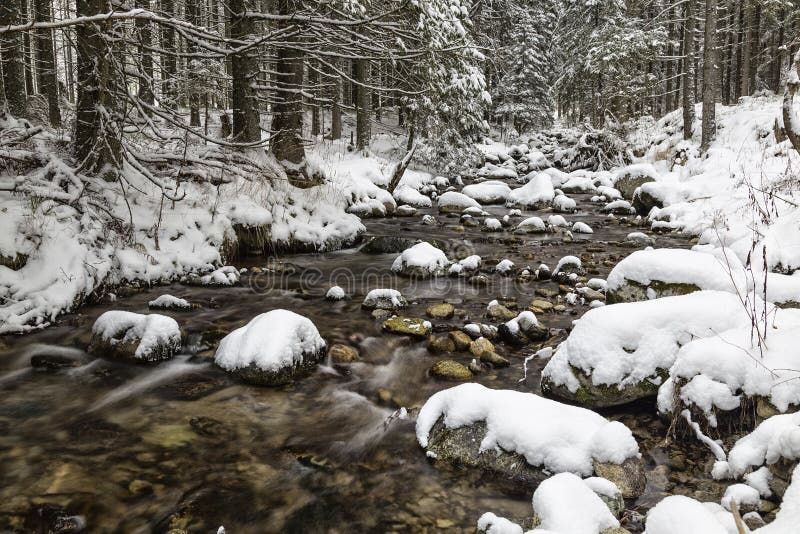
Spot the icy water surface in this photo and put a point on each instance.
(180, 445)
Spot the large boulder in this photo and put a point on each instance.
(531, 437)
(650, 274)
(489, 192)
(620, 353)
(454, 202)
(135, 336)
(628, 179)
(274, 348)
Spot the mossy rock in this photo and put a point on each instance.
(632, 291)
(252, 240)
(407, 326)
(450, 370)
(643, 202)
(628, 184)
(603, 396)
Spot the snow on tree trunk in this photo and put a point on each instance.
(144, 34)
(193, 16)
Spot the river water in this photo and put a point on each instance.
(180, 445)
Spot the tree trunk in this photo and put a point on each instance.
(790, 122)
(747, 52)
(244, 66)
(145, 42)
(286, 142)
(193, 16)
(169, 61)
(336, 109)
(710, 71)
(13, 63)
(28, 58)
(313, 82)
(362, 103)
(96, 143)
(48, 82)
(687, 76)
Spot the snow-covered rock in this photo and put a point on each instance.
(623, 352)
(557, 221)
(581, 227)
(531, 225)
(505, 267)
(522, 329)
(274, 348)
(420, 261)
(408, 195)
(619, 207)
(578, 184)
(564, 204)
(135, 336)
(224, 276)
(169, 302)
(492, 225)
(649, 274)
(536, 194)
(335, 293)
(677, 514)
(521, 435)
(627, 179)
(384, 299)
(489, 192)
(497, 172)
(722, 373)
(454, 202)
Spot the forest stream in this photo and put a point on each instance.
(119, 447)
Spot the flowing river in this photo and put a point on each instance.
(117, 447)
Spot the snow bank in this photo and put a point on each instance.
(535, 427)
(270, 341)
(623, 344)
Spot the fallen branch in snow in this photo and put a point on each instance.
(716, 449)
(401, 168)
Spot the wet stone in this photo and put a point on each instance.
(450, 370)
(440, 311)
(441, 343)
(461, 341)
(340, 353)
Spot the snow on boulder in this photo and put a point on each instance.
(557, 221)
(408, 195)
(505, 267)
(664, 272)
(609, 193)
(492, 225)
(420, 261)
(623, 352)
(522, 436)
(578, 184)
(564, 204)
(619, 207)
(565, 503)
(169, 302)
(774, 440)
(384, 299)
(497, 172)
(782, 289)
(677, 514)
(489, 192)
(454, 202)
(274, 348)
(224, 276)
(581, 227)
(531, 225)
(538, 193)
(730, 376)
(627, 179)
(135, 336)
(470, 263)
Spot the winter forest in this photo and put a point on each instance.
(493, 266)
